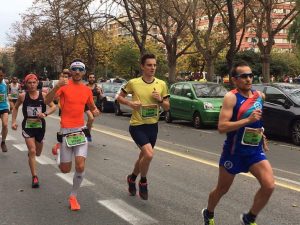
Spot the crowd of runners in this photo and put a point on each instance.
(240, 119)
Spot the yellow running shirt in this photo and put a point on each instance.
(142, 91)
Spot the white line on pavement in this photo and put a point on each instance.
(68, 177)
(287, 180)
(44, 160)
(127, 212)
(21, 147)
(10, 138)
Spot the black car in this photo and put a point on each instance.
(281, 109)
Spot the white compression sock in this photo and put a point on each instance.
(77, 180)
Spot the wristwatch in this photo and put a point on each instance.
(46, 114)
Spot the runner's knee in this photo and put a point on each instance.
(32, 151)
(4, 126)
(148, 156)
(222, 189)
(65, 169)
(268, 186)
(79, 168)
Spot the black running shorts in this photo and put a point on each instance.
(144, 134)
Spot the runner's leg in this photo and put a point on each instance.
(39, 148)
(30, 142)
(78, 175)
(264, 174)
(4, 119)
(224, 182)
(144, 162)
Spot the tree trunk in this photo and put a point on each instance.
(210, 69)
(265, 58)
(172, 63)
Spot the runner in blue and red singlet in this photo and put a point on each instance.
(243, 150)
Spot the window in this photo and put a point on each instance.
(273, 95)
(177, 89)
(186, 89)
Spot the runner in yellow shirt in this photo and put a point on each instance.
(148, 95)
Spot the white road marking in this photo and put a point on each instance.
(44, 160)
(198, 130)
(10, 138)
(189, 148)
(21, 147)
(287, 180)
(205, 131)
(68, 177)
(127, 212)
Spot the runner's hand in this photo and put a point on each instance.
(98, 90)
(255, 116)
(265, 144)
(62, 82)
(96, 112)
(157, 96)
(136, 105)
(41, 115)
(14, 126)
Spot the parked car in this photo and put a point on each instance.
(121, 108)
(281, 111)
(196, 102)
(109, 92)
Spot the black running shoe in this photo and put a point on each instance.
(245, 221)
(131, 186)
(207, 221)
(3, 146)
(143, 191)
(35, 182)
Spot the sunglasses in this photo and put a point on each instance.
(245, 75)
(80, 69)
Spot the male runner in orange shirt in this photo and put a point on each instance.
(73, 98)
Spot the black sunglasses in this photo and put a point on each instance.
(78, 68)
(245, 75)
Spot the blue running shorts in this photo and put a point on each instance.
(235, 164)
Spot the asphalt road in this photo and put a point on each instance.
(183, 172)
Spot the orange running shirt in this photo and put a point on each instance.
(73, 97)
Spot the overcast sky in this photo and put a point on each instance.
(10, 11)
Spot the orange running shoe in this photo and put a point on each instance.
(74, 205)
(55, 148)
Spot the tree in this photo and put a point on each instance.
(212, 40)
(135, 21)
(266, 26)
(33, 55)
(172, 28)
(234, 17)
(294, 32)
(89, 20)
(126, 60)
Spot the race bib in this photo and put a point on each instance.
(2, 98)
(75, 139)
(148, 111)
(33, 111)
(14, 96)
(252, 136)
(33, 123)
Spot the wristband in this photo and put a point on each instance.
(46, 114)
